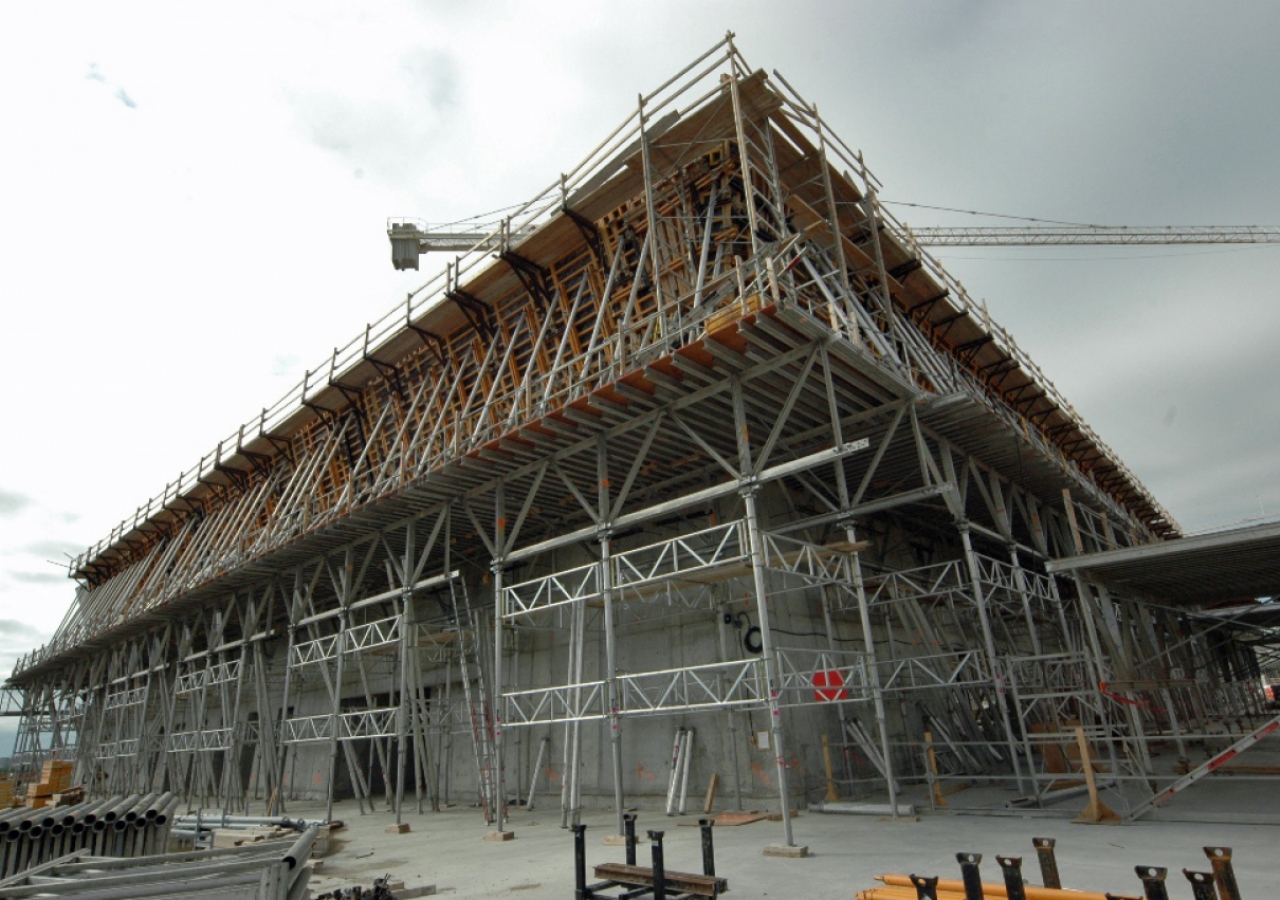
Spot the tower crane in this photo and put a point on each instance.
(1093, 235)
(410, 238)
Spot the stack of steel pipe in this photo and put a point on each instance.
(200, 825)
(269, 870)
(117, 826)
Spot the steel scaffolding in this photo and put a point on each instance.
(704, 378)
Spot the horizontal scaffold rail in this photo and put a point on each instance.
(210, 675)
(709, 556)
(806, 677)
(354, 639)
(1000, 582)
(131, 697)
(208, 740)
(113, 749)
(1051, 675)
(686, 689)
(352, 726)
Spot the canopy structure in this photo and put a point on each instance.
(1206, 569)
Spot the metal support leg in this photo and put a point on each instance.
(926, 888)
(969, 863)
(1153, 881)
(1011, 867)
(580, 862)
(1048, 862)
(1201, 884)
(1220, 858)
(629, 830)
(708, 847)
(659, 869)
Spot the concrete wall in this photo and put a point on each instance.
(652, 636)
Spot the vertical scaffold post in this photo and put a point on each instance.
(989, 644)
(770, 660)
(611, 673)
(500, 550)
(402, 707)
(877, 694)
(497, 779)
(335, 716)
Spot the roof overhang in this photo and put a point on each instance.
(1240, 564)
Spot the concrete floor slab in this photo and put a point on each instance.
(846, 852)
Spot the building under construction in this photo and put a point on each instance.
(695, 470)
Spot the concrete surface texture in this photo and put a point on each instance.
(847, 852)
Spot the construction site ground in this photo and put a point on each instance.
(448, 849)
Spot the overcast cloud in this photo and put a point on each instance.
(193, 203)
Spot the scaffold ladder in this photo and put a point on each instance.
(482, 743)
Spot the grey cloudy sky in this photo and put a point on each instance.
(193, 202)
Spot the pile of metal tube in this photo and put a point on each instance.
(200, 825)
(266, 870)
(117, 826)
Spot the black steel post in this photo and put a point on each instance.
(1048, 862)
(629, 832)
(1220, 857)
(708, 848)
(926, 888)
(1153, 881)
(580, 862)
(659, 871)
(1011, 866)
(969, 863)
(1201, 884)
